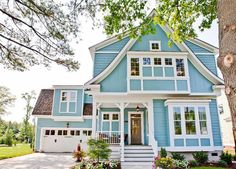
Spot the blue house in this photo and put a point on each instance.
(144, 95)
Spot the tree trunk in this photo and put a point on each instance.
(227, 56)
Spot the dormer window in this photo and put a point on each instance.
(155, 45)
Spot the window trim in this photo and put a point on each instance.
(110, 121)
(68, 102)
(150, 45)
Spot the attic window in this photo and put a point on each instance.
(155, 45)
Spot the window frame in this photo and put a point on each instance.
(110, 120)
(68, 101)
(150, 45)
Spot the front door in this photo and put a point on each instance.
(136, 128)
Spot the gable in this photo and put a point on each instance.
(160, 35)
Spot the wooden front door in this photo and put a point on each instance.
(136, 129)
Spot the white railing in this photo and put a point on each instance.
(110, 137)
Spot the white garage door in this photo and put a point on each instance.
(64, 140)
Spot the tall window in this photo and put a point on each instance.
(68, 101)
(135, 67)
(180, 71)
(177, 121)
(190, 120)
(202, 120)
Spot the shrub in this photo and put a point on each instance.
(181, 164)
(226, 157)
(193, 163)
(201, 157)
(222, 163)
(177, 156)
(165, 163)
(98, 149)
(79, 154)
(163, 153)
(89, 164)
(8, 137)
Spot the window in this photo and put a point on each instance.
(168, 61)
(52, 132)
(105, 116)
(134, 66)
(146, 61)
(157, 61)
(89, 132)
(88, 109)
(155, 46)
(59, 133)
(77, 133)
(64, 132)
(177, 121)
(180, 67)
(190, 120)
(115, 117)
(47, 132)
(68, 101)
(72, 132)
(202, 120)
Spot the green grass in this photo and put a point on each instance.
(14, 151)
(208, 168)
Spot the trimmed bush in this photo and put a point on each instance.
(177, 156)
(193, 163)
(201, 157)
(165, 163)
(163, 153)
(226, 157)
(222, 163)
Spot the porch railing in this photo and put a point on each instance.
(110, 137)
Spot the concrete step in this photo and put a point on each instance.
(151, 155)
(139, 159)
(138, 152)
(138, 148)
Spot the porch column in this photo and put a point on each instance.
(94, 119)
(122, 131)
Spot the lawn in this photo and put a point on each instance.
(14, 151)
(208, 168)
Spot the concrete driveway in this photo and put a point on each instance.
(39, 161)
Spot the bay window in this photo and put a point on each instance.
(190, 120)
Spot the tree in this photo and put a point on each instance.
(39, 32)
(180, 15)
(26, 131)
(6, 99)
(8, 136)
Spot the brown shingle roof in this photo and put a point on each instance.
(44, 103)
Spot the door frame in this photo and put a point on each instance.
(129, 126)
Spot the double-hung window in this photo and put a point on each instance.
(110, 122)
(68, 101)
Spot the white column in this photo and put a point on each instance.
(94, 119)
(122, 131)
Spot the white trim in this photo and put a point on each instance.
(129, 125)
(68, 118)
(69, 101)
(150, 45)
(193, 148)
(68, 86)
(170, 101)
(110, 120)
(157, 54)
(196, 53)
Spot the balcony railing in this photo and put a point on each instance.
(110, 137)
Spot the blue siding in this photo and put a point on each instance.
(147, 71)
(179, 142)
(215, 124)
(158, 71)
(192, 142)
(182, 85)
(117, 46)
(169, 72)
(209, 61)
(160, 35)
(168, 85)
(56, 106)
(116, 81)
(60, 124)
(205, 142)
(198, 83)
(135, 84)
(88, 99)
(161, 123)
(196, 48)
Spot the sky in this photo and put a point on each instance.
(39, 77)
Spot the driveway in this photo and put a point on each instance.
(39, 161)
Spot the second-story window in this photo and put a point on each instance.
(135, 67)
(68, 101)
(168, 61)
(180, 71)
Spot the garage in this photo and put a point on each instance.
(64, 139)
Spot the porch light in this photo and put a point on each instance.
(137, 108)
(67, 124)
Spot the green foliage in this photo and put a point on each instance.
(79, 154)
(222, 163)
(8, 137)
(98, 149)
(163, 153)
(179, 164)
(201, 157)
(177, 156)
(88, 164)
(6, 100)
(193, 163)
(226, 157)
(165, 163)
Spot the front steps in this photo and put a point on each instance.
(136, 157)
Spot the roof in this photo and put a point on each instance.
(44, 103)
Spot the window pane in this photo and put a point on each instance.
(77, 133)
(59, 133)
(178, 130)
(168, 61)
(177, 114)
(190, 127)
(72, 132)
(115, 117)
(155, 46)
(134, 66)
(180, 67)
(157, 61)
(105, 116)
(52, 132)
(89, 133)
(85, 132)
(189, 113)
(47, 132)
(203, 127)
(146, 61)
(202, 113)
(65, 132)
(72, 96)
(64, 96)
